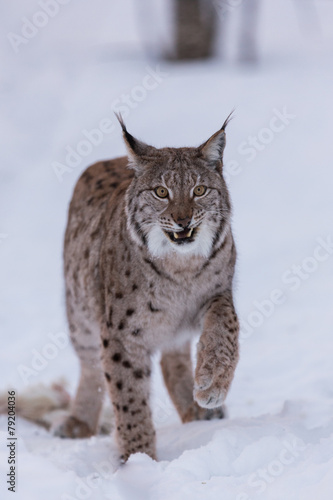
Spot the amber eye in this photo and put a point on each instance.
(161, 192)
(199, 190)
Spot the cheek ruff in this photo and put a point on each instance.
(197, 241)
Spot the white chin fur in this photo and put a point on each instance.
(159, 244)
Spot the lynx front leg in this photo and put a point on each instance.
(177, 372)
(217, 353)
(127, 372)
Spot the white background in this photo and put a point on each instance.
(66, 79)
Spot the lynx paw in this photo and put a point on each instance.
(73, 428)
(196, 412)
(209, 398)
(211, 385)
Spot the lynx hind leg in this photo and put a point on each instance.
(178, 376)
(87, 405)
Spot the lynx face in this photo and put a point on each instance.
(180, 205)
(178, 200)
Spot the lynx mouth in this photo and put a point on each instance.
(181, 237)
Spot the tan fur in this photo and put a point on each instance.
(49, 404)
(131, 290)
(38, 402)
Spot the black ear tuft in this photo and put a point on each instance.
(212, 149)
(138, 152)
(227, 120)
(129, 139)
(121, 121)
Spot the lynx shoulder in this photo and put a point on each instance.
(149, 262)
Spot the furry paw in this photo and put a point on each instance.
(196, 412)
(73, 428)
(211, 383)
(209, 398)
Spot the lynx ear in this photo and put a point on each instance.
(212, 150)
(138, 152)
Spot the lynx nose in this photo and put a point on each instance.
(182, 222)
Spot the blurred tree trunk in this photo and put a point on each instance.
(195, 29)
(248, 51)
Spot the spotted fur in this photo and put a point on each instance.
(131, 290)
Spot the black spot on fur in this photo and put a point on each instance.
(128, 273)
(105, 343)
(119, 385)
(119, 295)
(129, 312)
(116, 357)
(134, 287)
(109, 322)
(138, 374)
(87, 177)
(107, 376)
(121, 325)
(86, 253)
(125, 409)
(131, 400)
(152, 308)
(95, 233)
(127, 364)
(129, 427)
(136, 332)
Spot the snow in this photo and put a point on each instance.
(278, 439)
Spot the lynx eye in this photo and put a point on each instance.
(199, 190)
(161, 192)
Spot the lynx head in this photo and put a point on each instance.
(178, 200)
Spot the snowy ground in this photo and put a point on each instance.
(278, 440)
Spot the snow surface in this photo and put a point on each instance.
(278, 440)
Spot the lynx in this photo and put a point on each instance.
(149, 263)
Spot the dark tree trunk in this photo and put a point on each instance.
(195, 29)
